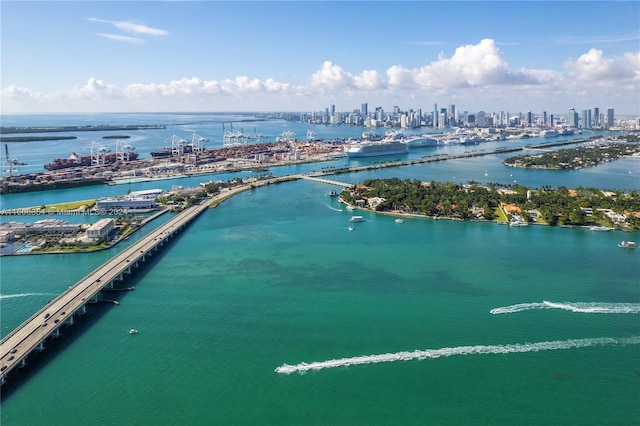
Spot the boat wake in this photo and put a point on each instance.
(11, 296)
(581, 307)
(333, 208)
(459, 350)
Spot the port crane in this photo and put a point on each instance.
(123, 150)
(98, 152)
(12, 163)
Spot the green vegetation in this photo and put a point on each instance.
(574, 158)
(561, 206)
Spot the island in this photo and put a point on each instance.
(577, 158)
(514, 204)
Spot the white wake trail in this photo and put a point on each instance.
(580, 307)
(11, 296)
(460, 350)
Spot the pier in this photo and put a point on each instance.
(32, 334)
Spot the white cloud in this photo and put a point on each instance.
(594, 67)
(476, 76)
(132, 27)
(126, 39)
(331, 76)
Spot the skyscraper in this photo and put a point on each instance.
(364, 109)
(572, 118)
(435, 115)
(596, 117)
(585, 122)
(610, 120)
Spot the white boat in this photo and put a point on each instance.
(356, 219)
(600, 228)
(350, 228)
(350, 207)
(371, 149)
(516, 222)
(399, 221)
(627, 244)
(133, 331)
(549, 134)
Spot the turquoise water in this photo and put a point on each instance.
(274, 277)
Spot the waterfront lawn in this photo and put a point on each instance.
(73, 205)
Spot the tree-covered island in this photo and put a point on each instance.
(546, 205)
(575, 158)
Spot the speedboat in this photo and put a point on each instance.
(133, 331)
(350, 228)
(399, 221)
(627, 244)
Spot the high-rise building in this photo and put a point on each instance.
(364, 109)
(585, 122)
(610, 119)
(572, 118)
(596, 117)
(435, 115)
(529, 118)
(545, 123)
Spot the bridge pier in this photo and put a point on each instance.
(56, 332)
(69, 320)
(40, 346)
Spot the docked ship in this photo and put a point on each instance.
(419, 142)
(371, 149)
(549, 133)
(77, 160)
(168, 151)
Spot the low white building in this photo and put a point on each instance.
(138, 200)
(101, 228)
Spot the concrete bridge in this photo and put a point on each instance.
(316, 178)
(31, 335)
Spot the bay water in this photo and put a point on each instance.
(268, 310)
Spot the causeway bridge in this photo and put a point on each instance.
(327, 181)
(47, 322)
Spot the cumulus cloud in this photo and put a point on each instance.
(332, 77)
(482, 64)
(16, 92)
(471, 73)
(593, 66)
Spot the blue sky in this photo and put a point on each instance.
(75, 56)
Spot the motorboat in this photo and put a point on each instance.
(133, 331)
(627, 244)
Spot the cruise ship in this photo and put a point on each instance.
(371, 149)
(419, 141)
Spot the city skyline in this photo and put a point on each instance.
(303, 56)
